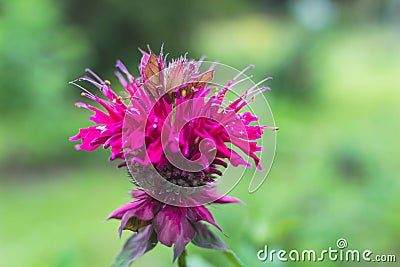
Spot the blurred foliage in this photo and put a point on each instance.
(38, 56)
(123, 26)
(334, 95)
(37, 53)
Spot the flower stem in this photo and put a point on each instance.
(182, 259)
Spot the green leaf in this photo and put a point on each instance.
(233, 258)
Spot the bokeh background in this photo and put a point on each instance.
(335, 96)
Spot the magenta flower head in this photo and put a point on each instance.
(175, 131)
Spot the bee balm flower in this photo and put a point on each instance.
(170, 127)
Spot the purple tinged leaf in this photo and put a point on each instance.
(205, 238)
(137, 245)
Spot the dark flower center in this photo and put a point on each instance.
(176, 176)
(185, 178)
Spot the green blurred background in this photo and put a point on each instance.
(335, 96)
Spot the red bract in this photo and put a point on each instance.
(173, 225)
